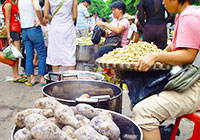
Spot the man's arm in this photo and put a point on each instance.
(39, 12)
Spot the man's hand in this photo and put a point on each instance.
(146, 62)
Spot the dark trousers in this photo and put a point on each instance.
(156, 33)
(101, 51)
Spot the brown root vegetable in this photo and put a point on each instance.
(65, 115)
(47, 103)
(82, 119)
(86, 132)
(33, 119)
(69, 130)
(20, 116)
(47, 131)
(86, 110)
(105, 126)
(23, 134)
(85, 95)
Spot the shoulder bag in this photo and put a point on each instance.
(186, 77)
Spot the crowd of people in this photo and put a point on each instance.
(69, 20)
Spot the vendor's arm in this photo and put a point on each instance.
(179, 57)
(39, 12)
(114, 29)
(8, 7)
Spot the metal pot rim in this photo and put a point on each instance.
(73, 101)
(79, 71)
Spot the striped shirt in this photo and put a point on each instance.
(82, 21)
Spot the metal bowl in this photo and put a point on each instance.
(125, 124)
(68, 91)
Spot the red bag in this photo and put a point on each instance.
(6, 60)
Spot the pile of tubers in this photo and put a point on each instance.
(51, 120)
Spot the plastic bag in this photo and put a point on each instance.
(144, 84)
(5, 60)
(11, 52)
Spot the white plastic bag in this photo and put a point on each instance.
(11, 52)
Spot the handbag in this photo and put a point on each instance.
(144, 84)
(113, 41)
(186, 77)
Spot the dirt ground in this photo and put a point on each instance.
(15, 97)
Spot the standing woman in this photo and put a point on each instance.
(152, 17)
(13, 29)
(62, 37)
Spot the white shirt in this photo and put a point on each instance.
(27, 13)
(131, 29)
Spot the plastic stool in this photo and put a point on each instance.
(195, 117)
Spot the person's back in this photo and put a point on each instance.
(155, 12)
(152, 17)
(27, 13)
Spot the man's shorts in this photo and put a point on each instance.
(167, 105)
(15, 36)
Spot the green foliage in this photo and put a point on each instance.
(104, 10)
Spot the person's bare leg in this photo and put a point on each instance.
(55, 68)
(42, 79)
(33, 79)
(15, 68)
(71, 67)
(151, 135)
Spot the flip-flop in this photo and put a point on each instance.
(31, 84)
(43, 84)
(20, 80)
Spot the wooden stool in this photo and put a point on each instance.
(195, 117)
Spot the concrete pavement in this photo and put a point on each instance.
(15, 97)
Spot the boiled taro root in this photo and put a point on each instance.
(48, 131)
(86, 132)
(86, 110)
(82, 119)
(47, 103)
(69, 130)
(33, 119)
(23, 134)
(65, 115)
(105, 126)
(20, 116)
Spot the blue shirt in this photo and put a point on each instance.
(82, 21)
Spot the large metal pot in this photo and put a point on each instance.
(125, 124)
(56, 76)
(68, 92)
(84, 52)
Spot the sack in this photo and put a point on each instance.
(183, 79)
(113, 41)
(11, 52)
(144, 84)
(5, 60)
